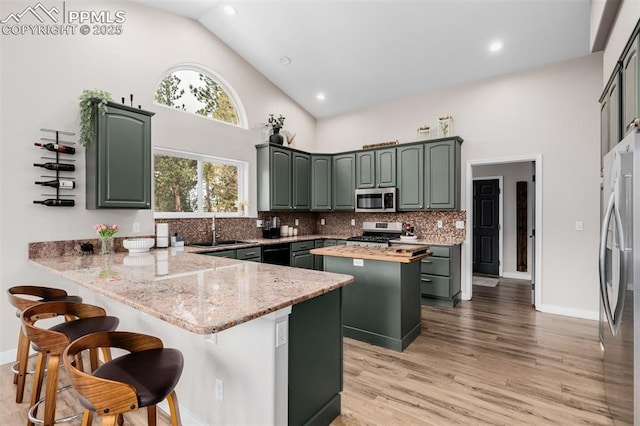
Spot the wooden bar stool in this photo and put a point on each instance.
(144, 377)
(51, 342)
(22, 297)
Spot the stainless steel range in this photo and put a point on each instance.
(376, 234)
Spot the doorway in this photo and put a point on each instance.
(487, 220)
(512, 170)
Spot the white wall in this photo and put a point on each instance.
(551, 110)
(511, 173)
(42, 77)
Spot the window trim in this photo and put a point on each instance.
(243, 190)
(243, 121)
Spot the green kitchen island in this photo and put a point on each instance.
(382, 306)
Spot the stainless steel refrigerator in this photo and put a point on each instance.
(619, 280)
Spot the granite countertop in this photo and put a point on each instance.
(400, 253)
(202, 294)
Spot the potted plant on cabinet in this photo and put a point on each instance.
(88, 99)
(276, 124)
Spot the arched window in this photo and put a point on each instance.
(192, 89)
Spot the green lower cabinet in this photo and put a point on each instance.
(253, 254)
(382, 306)
(440, 276)
(302, 259)
(315, 360)
(318, 261)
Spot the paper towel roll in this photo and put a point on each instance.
(162, 230)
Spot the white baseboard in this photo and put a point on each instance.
(517, 275)
(187, 418)
(8, 357)
(569, 312)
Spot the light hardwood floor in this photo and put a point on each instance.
(493, 360)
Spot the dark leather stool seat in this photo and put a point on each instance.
(22, 297)
(142, 378)
(82, 319)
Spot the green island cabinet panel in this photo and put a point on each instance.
(321, 182)
(440, 276)
(318, 261)
(410, 177)
(301, 179)
(315, 356)
(118, 161)
(442, 175)
(630, 84)
(344, 182)
(385, 168)
(365, 169)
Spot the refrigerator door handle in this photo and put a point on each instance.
(612, 214)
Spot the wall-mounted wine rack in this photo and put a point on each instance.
(61, 183)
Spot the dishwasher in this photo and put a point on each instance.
(276, 254)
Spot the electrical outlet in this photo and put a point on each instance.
(296, 222)
(281, 333)
(459, 224)
(136, 228)
(353, 222)
(579, 225)
(322, 222)
(439, 224)
(358, 262)
(258, 223)
(219, 390)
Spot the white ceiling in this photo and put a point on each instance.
(364, 52)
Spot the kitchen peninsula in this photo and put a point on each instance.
(382, 307)
(252, 334)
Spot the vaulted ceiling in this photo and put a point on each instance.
(359, 53)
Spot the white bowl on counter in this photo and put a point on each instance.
(138, 245)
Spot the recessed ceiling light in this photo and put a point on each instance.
(229, 9)
(285, 60)
(320, 96)
(496, 46)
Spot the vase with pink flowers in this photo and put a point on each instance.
(106, 232)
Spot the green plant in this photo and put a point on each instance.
(274, 122)
(88, 99)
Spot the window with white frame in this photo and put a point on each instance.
(191, 185)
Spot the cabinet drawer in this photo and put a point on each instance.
(330, 243)
(302, 245)
(249, 253)
(319, 244)
(254, 259)
(431, 285)
(440, 251)
(435, 266)
(231, 254)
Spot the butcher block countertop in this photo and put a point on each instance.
(398, 253)
(201, 294)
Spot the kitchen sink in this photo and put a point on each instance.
(219, 243)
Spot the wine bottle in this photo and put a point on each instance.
(65, 149)
(59, 183)
(57, 166)
(56, 202)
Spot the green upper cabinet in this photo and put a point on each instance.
(410, 177)
(376, 168)
(118, 161)
(321, 182)
(630, 85)
(612, 105)
(442, 174)
(615, 107)
(344, 177)
(386, 168)
(604, 129)
(284, 178)
(301, 181)
(365, 169)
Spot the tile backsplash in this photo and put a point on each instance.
(336, 223)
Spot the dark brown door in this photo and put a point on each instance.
(486, 226)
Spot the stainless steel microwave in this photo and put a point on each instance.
(376, 200)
